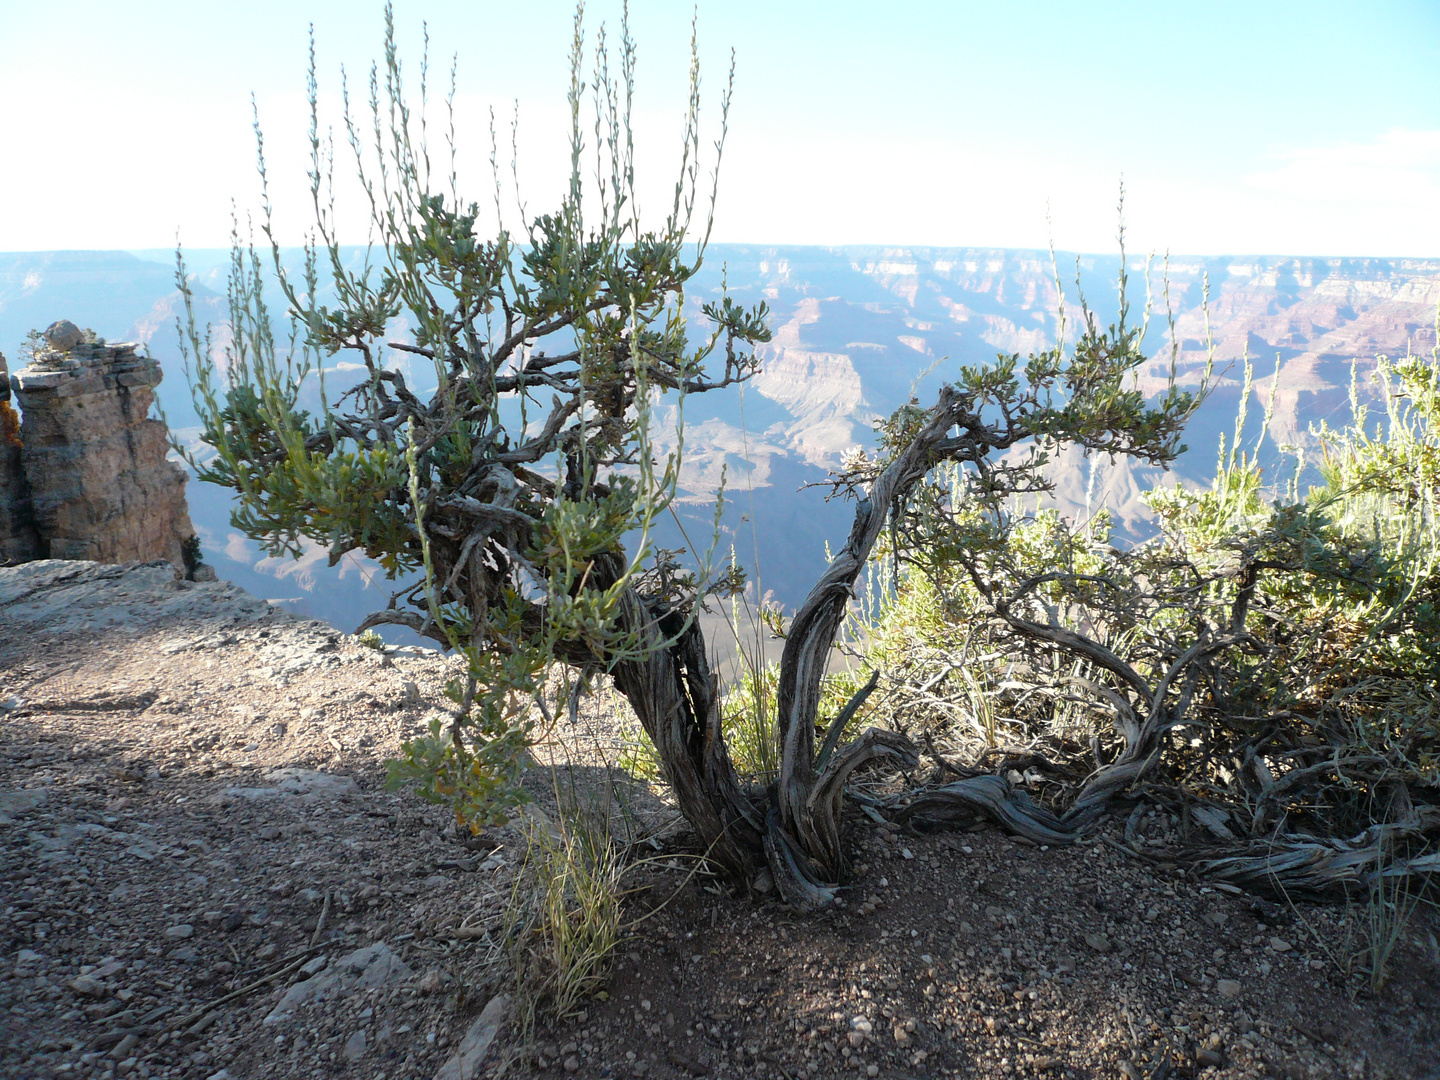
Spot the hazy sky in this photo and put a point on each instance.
(1259, 127)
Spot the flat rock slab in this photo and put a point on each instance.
(465, 1064)
(69, 596)
(372, 967)
(14, 804)
(307, 785)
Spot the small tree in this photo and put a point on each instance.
(515, 514)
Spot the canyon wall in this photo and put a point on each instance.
(99, 484)
(18, 540)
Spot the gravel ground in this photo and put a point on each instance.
(202, 875)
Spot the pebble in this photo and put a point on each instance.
(572, 1064)
(1279, 944)
(180, 932)
(1228, 988)
(1099, 942)
(432, 982)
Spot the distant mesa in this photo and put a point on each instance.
(84, 474)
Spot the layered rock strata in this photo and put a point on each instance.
(18, 539)
(100, 485)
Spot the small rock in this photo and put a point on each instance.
(433, 981)
(180, 932)
(354, 1048)
(1228, 988)
(1206, 1057)
(1099, 942)
(572, 1064)
(124, 1046)
(88, 986)
(1280, 945)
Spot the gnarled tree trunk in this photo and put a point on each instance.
(794, 827)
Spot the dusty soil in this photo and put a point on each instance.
(202, 875)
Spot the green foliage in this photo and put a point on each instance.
(191, 554)
(1284, 642)
(475, 764)
(563, 918)
(506, 501)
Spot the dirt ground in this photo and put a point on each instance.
(201, 875)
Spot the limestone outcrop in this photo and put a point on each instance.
(100, 485)
(18, 540)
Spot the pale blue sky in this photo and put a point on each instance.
(1296, 128)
